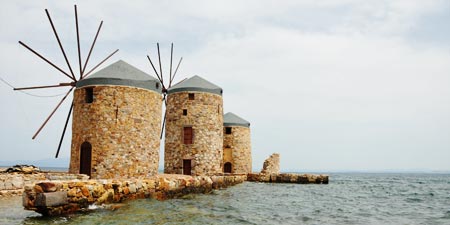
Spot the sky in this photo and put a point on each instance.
(330, 85)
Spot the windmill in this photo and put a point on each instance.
(165, 86)
(73, 78)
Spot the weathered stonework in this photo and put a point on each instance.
(204, 115)
(237, 149)
(272, 164)
(288, 178)
(122, 124)
(13, 183)
(63, 197)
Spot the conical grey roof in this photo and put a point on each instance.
(123, 74)
(231, 119)
(196, 83)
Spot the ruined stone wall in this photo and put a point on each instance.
(239, 142)
(272, 164)
(123, 125)
(205, 115)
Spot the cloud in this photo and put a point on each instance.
(329, 84)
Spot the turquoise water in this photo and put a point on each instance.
(348, 199)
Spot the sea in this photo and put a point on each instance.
(349, 198)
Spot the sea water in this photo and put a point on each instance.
(358, 198)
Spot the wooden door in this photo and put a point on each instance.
(187, 167)
(85, 158)
(188, 135)
(227, 167)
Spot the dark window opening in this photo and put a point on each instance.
(89, 98)
(157, 85)
(191, 96)
(227, 130)
(227, 167)
(188, 135)
(187, 167)
(184, 112)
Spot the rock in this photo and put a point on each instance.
(17, 182)
(85, 191)
(8, 186)
(132, 188)
(38, 189)
(47, 186)
(26, 169)
(72, 192)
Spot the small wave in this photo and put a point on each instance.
(93, 206)
(414, 200)
(446, 215)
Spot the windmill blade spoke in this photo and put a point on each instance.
(175, 73)
(164, 119)
(154, 69)
(78, 41)
(163, 125)
(51, 114)
(59, 42)
(171, 56)
(64, 130)
(47, 86)
(46, 60)
(84, 76)
(160, 68)
(92, 47)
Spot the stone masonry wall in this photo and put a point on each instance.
(205, 115)
(272, 164)
(123, 125)
(239, 144)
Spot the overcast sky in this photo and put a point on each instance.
(330, 85)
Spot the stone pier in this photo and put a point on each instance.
(288, 178)
(63, 197)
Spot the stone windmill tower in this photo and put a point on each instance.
(194, 128)
(116, 123)
(237, 150)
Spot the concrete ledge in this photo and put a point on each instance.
(51, 199)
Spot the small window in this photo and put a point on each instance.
(191, 96)
(157, 85)
(184, 112)
(227, 130)
(89, 98)
(188, 135)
